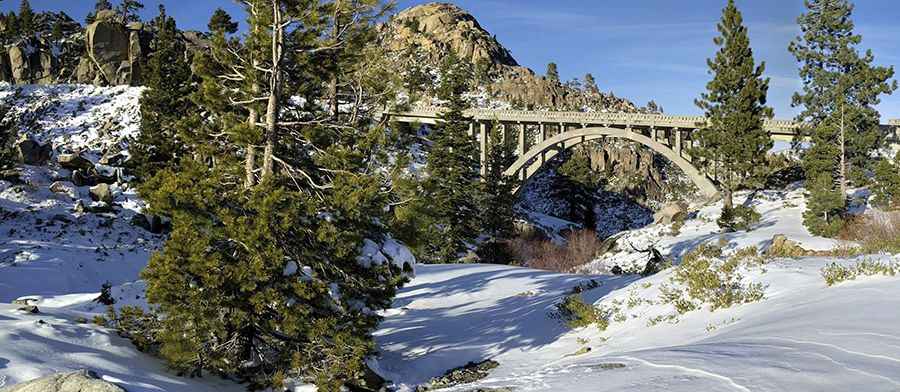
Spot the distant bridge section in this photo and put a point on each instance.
(541, 135)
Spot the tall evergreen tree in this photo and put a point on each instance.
(734, 144)
(552, 73)
(498, 199)
(8, 134)
(263, 282)
(590, 84)
(221, 22)
(26, 18)
(841, 88)
(100, 5)
(166, 104)
(451, 189)
(129, 10)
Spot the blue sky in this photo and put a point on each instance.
(639, 49)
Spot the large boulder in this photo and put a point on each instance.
(670, 213)
(33, 153)
(101, 192)
(108, 46)
(79, 381)
(74, 162)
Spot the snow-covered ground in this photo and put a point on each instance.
(781, 213)
(803, 336)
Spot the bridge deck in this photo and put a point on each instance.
(781, 129)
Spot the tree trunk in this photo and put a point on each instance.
(274, 92)
(728, 199)
(843, 168)
(334, 58)
(250, 160)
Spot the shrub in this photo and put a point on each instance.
(835, 273)
(133, 323)
(705, 278)
(876, 232)
(495, 252)
(739, 218)
(577, 314)
(581, 247)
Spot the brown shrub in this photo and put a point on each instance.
(581, 247)
(876, 232)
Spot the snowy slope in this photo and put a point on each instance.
(781, 213)
(61, 258)
(801, 337)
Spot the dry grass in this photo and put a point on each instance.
(875, 232)
(581, 248)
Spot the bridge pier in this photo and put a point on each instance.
(483, 145)
(520, 142)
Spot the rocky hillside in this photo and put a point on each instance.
(106, 52)
(426, 33)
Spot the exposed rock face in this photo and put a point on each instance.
(80, 381)
(429, 31)
(33, 153)
(437, 28)
(39, 59)
(106, 52)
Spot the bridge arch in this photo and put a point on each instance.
(533, 160)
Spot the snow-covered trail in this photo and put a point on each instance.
(803, 337)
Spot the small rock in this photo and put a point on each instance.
(671, 212)
(102, 193)
(33, 153)
(11, 175)
(140, 220)
(79, 381)
(27, 301)
(81, 178)
(467, 374)
(74, 162)
(79, 207)
(64, 187)
(33, 309)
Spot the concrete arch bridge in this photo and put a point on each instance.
(541, 135)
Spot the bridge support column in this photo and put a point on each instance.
(520, 141)
(677, 140)
(483, 144)
(541, 136)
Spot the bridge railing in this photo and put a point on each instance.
(775, 126)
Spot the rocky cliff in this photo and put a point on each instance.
(428, 32)
(106, 52)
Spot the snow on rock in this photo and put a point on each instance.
(76, 117)
(781, 211)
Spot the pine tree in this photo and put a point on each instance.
(734, 144)
(26, 18)
(590, 84)
(8, 134)
(129, 10)
(451, 189)
(262, 282)
(841, 88)
(886, 188)
(100, 5)
(498, 199)
(221, 22)
(165, 103)
(552, 73)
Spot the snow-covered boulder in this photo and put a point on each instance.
(80, 381)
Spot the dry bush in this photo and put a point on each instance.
(876, 232)
(581, 248)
